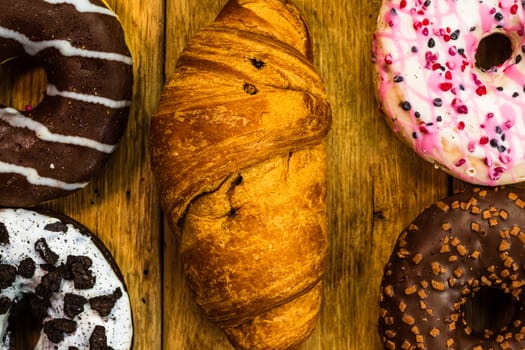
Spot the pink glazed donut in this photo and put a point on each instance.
(450, 78)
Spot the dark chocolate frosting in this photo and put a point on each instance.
(85, 107)
(458, 247)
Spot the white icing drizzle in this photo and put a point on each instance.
(34, 178)
(65, 47)
(53, 91)
(14, 118)
(83, 6)
(25, 227)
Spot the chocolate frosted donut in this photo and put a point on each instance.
(62, 143)
(450, 268)
(55, 270)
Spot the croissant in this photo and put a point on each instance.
(239, 155)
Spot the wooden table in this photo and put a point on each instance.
(376, 184)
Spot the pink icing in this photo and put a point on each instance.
(433, 93)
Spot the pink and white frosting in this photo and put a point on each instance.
(467, 120)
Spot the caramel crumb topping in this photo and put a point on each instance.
(504, 245)
(505, 345)
(462, 251)
(390, 345)
(417, 258)
(503, 214)
(512, 196)
(444, 249)
(445, 227)
(521, 237)
(390, 333)
(436, 268)
(412, 227)
(486, 214)
(520, 203)
(409, 320)
(458, 272)
(451, 282)
(437, 285)
(475, 227)
(402, 306)
(475, 254)
(434, 332)
(455, 205)
(504, 234)
(485, 281)
(389, 291)
(493, 222)
(472, 201)
(508, 261)
(410, 290)
(403, 253)
(422, 294)
(444, 207)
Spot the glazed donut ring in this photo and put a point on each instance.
(439, 93)
(66, 279)
(63, 142)
(460, 248)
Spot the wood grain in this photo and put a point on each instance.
(376, 184)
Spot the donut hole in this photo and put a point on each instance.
(489, 309)
(24, 325)
(24, 82)
(492, 51)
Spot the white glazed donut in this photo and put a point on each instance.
(65, 278)
(458, 111)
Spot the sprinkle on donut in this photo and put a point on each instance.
(444, 92)
(460, 249)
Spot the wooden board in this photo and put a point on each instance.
(376, 185)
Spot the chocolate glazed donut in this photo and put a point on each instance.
(63, 142)
(459, 253)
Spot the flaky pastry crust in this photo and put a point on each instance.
(239, 155)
